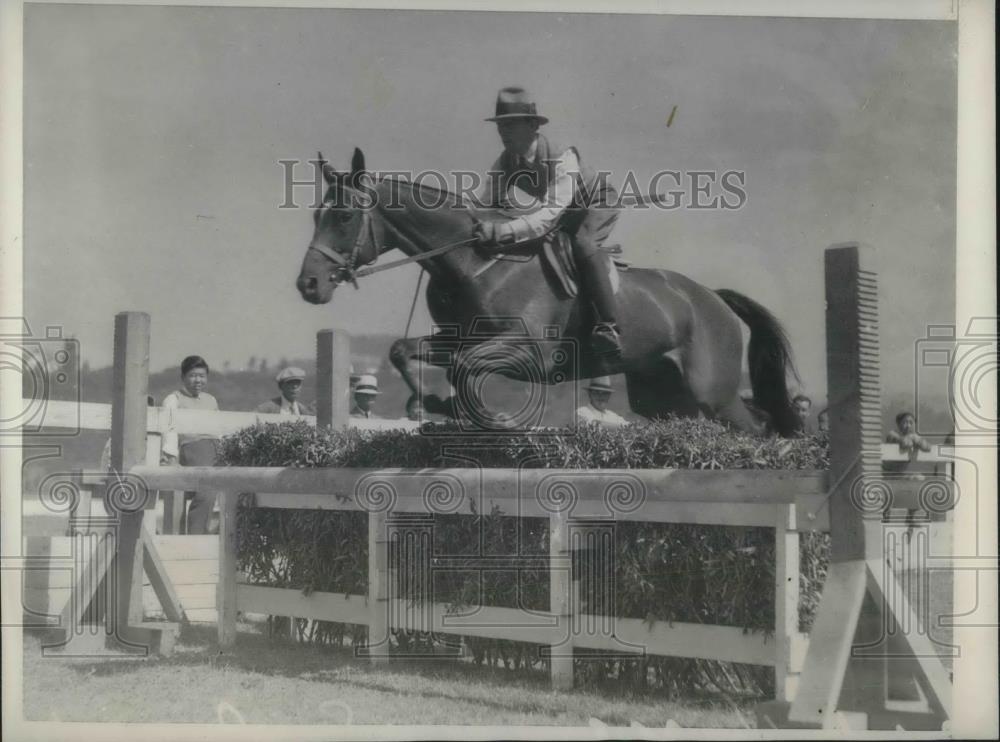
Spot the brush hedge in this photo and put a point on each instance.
(662, 572)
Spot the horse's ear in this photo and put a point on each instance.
(357, 163)
(329, 174)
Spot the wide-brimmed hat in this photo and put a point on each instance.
(292, 372)
(600, 384)
(367, 384)
(516, 103)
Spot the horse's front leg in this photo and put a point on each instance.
(406, 354)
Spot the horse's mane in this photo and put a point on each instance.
(454, 199)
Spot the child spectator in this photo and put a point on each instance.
(906, 436)
(193, 449)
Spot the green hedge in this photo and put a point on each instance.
(702, 574)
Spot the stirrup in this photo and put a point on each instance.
(605, 340)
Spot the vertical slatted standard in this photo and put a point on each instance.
(855, 437)
(852, 660)
(333, 378)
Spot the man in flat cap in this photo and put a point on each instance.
(287, 403)
(573, 199)
(365, 392)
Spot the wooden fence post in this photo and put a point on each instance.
(378, 587)
(129, 499)
(225, 594)
(560, 600)
(786, 600)
(333, 378)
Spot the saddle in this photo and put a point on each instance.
(555, 253)
(557, 261)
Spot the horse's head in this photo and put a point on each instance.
(343, 239)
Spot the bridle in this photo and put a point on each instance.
(349, 268)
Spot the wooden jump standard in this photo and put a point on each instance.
(855, 652)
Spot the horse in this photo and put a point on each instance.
(683, 344)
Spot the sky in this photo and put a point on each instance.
(153, 137)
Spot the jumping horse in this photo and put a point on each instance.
(683, 345)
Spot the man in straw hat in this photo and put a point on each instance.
(573, 199)
(365, 392)
(599, 390)
(289, 381)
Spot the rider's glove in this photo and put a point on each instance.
(486, 233)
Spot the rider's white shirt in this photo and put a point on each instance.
(590, 414)
(557, 199)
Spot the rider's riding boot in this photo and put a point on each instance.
(605, 340)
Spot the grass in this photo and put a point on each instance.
(279, 682)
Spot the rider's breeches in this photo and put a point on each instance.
(592, 264)
(593, 228)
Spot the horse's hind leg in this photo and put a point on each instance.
(737, 413)
(662, 390)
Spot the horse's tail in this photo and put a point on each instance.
(769, 357)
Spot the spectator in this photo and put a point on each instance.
(823, 420)
(365, 392)
(906, 435)
(193, 449)
(803, 405)
(414, 408)
(287, 403)
(599, 390)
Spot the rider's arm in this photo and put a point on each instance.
(559, 197)
(487, 196)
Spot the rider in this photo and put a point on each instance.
(573, 199)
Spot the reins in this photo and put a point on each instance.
(348, 266)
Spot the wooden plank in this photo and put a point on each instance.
(524, 485)
(60, 414)
(292, 602)
(188, 596)
(54, 599)
(185, 548)
(193, 572)
(492, 622)
(695, 513)
(226, 601)
(160, 580)
(692, 640)
(830, 644)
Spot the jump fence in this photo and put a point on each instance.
(820, 680)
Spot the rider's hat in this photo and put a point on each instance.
(516, 103)
(600, 384)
